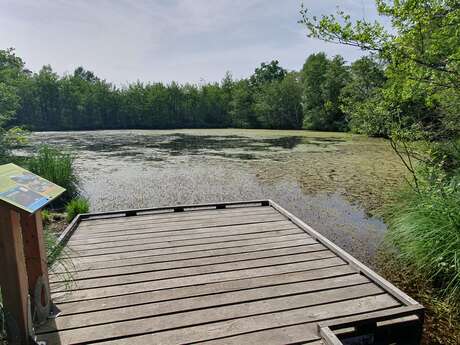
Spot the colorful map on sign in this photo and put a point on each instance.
(23, 189)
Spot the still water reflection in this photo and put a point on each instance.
(330, 180)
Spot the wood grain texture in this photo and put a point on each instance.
(235, 319)
(146, 297)
(192, 262)
(120, 279)
(248, 275)
(209, 253)
(127, 312)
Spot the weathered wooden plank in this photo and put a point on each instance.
(178, 216)
(117, 279)
(176, 208)
(247, 314)
(337, 272)
(328, 337)
(193, 303)
(178, 235)
(206, 254)
(297, 334)
(198, 247)
(183, 235)
(192, 224)
(185, 263)
(196, 280)
(171, 214)
(390, 288)
(252, 275)
(161, 243)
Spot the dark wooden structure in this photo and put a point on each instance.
(234, 273)
(24, 273)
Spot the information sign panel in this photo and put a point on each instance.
(25, 190)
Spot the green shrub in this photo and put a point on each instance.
(46, 216)
(75, 207)
(56, 166)
(424, 226)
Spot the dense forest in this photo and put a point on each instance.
(323, 95)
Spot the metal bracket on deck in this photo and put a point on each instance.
(130, 213)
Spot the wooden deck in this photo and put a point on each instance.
(241, 273)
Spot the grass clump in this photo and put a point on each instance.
(424, 227)
(58, 167)
(46, 216)
(75, 207)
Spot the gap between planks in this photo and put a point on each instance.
(176, 282)
(68, 266)
(239, 317)
(197, 262)
(187, 249)
(172, 217)
(157, 308)
(184, 242)
(152, 276)
(174, 235)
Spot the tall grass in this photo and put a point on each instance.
(75, 207)
(58, 167)
(424, 226)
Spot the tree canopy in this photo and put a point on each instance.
(422, 58)
(327, 94)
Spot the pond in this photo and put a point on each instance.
(332, 181)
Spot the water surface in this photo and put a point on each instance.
(332, 181)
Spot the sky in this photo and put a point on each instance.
(167, 40)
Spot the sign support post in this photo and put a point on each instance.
(36, 265)
(24, 278)
(13, 279)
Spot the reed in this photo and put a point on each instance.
(424, 226)
(58, 167)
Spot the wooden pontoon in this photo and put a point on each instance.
(230, 273)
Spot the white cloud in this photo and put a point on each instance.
(164, 40)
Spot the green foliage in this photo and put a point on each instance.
(418, 107)
(46, 216)
(361, 98)
(241, 106)
(75, 207)
(425, 227)
(323, 81)
(12, 73)
(266, 73)
(278, 105)
(56, 166)
(422, 56)
(269, 98)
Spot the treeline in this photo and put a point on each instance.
(324, 95)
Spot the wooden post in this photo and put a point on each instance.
(36, 265)
(13, 276)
